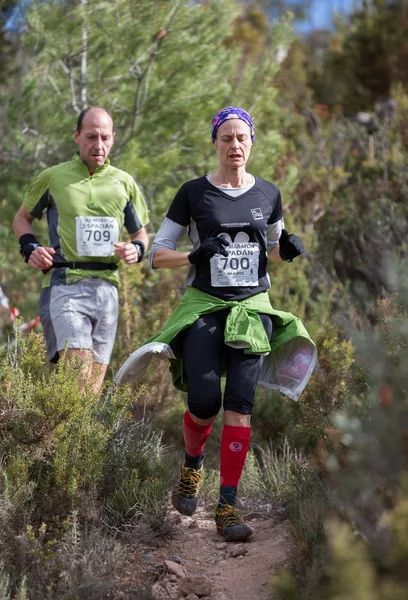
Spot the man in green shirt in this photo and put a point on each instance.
(88, 202)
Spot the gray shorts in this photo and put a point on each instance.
(81, 315)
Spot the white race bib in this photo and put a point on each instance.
(239, 268)
(96, 236)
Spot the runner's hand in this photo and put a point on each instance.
(290, 246)
(208, 248)
(41, 258)
(127, 252)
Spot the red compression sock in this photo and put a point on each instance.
(195, 435)
(234, 448)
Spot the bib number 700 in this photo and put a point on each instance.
(238, 269)
(235, 264)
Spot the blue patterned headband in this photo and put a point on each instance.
(231, 112)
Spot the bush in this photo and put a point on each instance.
(69, 459)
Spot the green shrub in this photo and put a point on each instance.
(60, 447)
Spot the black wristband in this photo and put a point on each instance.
(28, 243)
(140, 249)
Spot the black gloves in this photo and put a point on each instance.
(140, 247)
(208, 248)
(28, 243)
(290, 246)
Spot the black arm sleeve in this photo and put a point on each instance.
(131, 221)
(43, 203)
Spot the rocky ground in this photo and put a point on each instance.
(196, 563)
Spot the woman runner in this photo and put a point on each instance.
(235, 223)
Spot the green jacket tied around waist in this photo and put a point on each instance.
(291, 354)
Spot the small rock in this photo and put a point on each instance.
(219, 596)
(192, 597)
(200, 585)
(175, 559)
(238, 551)
(175, 568)
(148, 556)
(173, 578)
(254, 515)
(193, 525)
(157, 571)
(221, 545)
(158, 592)
(172, 590)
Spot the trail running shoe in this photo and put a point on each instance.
(185, 496)
(230, 525)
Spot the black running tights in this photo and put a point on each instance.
(203, 351)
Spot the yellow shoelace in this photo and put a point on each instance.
(189, 483)
(226, 516)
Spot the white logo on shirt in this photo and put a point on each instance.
(114, 179)
(257, 213)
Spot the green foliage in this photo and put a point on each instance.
(364, 58)
(59, 448)
(280, 473)
(137, 476)
(365, 470)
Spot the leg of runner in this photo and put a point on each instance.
(91, 373)
(242, 376)
(98, 372)
(202, 349)
(80, 320)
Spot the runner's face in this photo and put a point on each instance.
(95, 138)
(233, 143)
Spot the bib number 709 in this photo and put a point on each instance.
(97, 235)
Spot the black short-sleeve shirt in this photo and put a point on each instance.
(207, 211)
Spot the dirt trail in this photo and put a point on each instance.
(235, 571)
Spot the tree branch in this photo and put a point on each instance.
(84, 54)
(143, 77)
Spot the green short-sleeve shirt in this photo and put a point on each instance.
(108, 200)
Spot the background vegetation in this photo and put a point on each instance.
(83, 474)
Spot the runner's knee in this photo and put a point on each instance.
(239, 404)
(204, 412)
(205, 401)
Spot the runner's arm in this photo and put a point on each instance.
(22, 222)
(129, 252)
(272, 236)
(274, 255)
(142, 236)
(40, 258)
(170, 259)
(163, 253)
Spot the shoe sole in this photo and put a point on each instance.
(240, 533)
(186, 511)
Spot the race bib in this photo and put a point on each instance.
(239, 268)
(96, 236)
